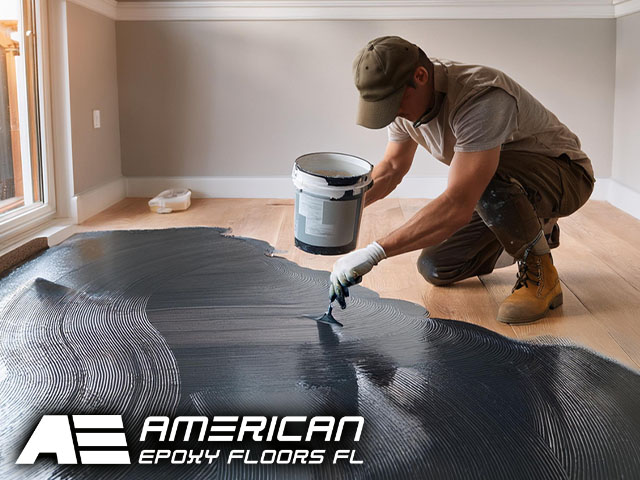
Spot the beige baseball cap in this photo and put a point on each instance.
(381, 72)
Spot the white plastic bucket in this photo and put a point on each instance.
(330, 190)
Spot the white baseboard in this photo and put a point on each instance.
(214, 187)
(86, 204)
(262, 187)
(624, 198)
(618, 195)
(601, 189)
(607, 189)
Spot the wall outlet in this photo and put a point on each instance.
(96, 119)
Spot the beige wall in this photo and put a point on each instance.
(626, 152)
(93, 85)
(246, 98)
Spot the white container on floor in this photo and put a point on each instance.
(170, 201)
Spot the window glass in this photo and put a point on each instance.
(20, 159)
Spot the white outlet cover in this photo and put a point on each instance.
(96, 119)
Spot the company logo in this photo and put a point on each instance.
(95, 439)
(101, 440)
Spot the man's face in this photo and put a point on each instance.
(415, 101)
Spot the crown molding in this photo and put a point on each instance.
(361, 9)
(108, 8)
(357, 9)
(626, 7)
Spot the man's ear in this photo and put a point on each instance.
(421, 76)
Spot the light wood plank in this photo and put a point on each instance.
(466, 301)
(612, 236)
(573, 321)
(597, 261)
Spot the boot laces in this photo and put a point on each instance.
(525, 275)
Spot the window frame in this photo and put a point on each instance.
(27, 218)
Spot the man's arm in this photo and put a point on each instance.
(387, 174)
(469, 175)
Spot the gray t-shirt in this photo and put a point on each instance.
(480, 124)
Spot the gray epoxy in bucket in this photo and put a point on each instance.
(330, 190)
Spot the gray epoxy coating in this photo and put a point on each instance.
(191, 321)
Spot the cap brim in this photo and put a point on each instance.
(380, 113)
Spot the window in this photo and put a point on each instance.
(21, 166)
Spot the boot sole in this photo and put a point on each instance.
(555, 303)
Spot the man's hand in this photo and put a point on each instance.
(349, 270)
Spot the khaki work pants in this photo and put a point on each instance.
(527, 193)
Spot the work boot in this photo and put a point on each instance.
(536, 291)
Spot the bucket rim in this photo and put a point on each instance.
(331, 153)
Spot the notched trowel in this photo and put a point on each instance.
(326, 317)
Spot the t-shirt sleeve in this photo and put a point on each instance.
(485, 122)
(396, 133)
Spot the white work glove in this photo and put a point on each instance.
(349, 270)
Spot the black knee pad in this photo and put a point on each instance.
(429, 270)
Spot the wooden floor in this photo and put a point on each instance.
(598, 262)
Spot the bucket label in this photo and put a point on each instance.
(312, 208)
(326, 223)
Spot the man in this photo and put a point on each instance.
(514, 169)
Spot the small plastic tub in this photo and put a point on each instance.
(170, 201)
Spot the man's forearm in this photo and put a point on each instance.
(384, 182)
(389, 172)
(433, 224)
(469, 175)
